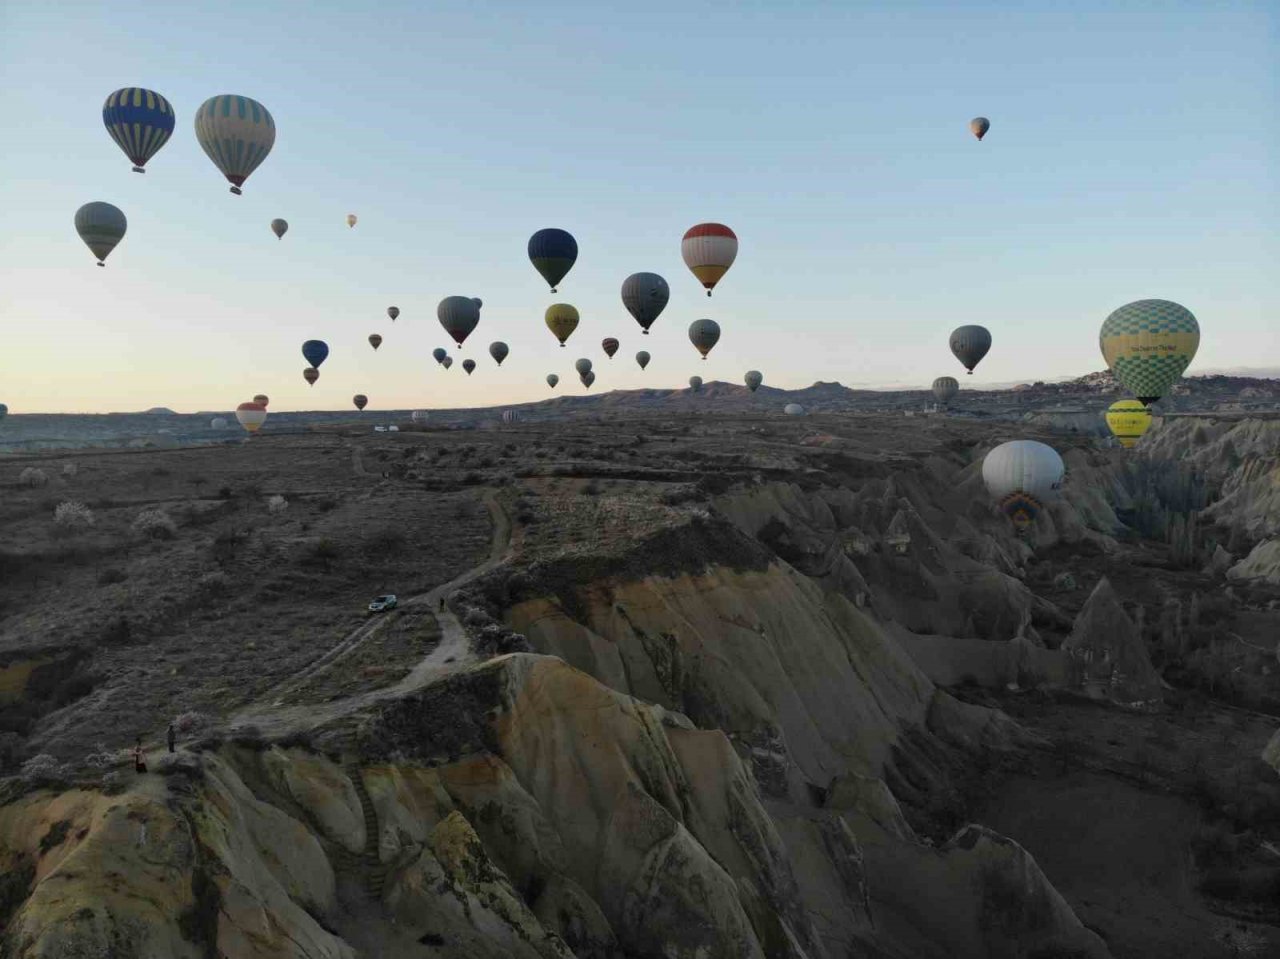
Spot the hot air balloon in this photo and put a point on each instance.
(979, 126)
(1022, 475)
(793, 409)
(609, 345)
(4, 411)
(311, 374)
(315, 351)
(709, 249)
(970, 344)
(375, 340)
(439, 353)
(562, 320)
(262, 399)
(1128, 420)
(218, 423)
(251, 416)
(587, 379)
(704, 334)
(140, 121)
(279, 227)
(236, 133)
(643, 358)
(393, 312)
(498, 350)
(553, 253)
(695, 384)
(945, 387)
(1148, 344)
(753, 379)
(102, 227)
(447, 362)
(645, 296)
(459, 316)
(360, 401)
(420, 416)
(351, 219)
(477, 301)
(469, 366)
(510, 416)
(552, 380)
(582, 365)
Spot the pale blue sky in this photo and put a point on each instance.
(1132, 154)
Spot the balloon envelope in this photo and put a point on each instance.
(279, 227)
(477, 301)
(587, 379)
(552, 380)
(643, 358)
(695, 383)
(262, 399)
(251, 416)
(498, 350)
(393, 312)
(645, 296)
(753, 379)
(236, 133)
(582, 365)
(469, 366)
(709, 249)
(360, 401)
(351, 219)
(510, 416)
(375, 340)
(944, 388)
(4, 411)
(610, 346)
(1022, 475)
(140, 121)
(315, 351)
(1128, 420)
(562, 320)
(311, 374)
(970, 344)
(704, 334)
(420, 416)
(979, 126)
(553, 253)
(101, 226)
(459, 316)
(447, 362)
(439, 353)
(793, 409)
(1148, 344)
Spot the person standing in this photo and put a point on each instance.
(172, 736)
(139, 761)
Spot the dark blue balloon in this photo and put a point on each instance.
(553, 253)
(439, 353)
(140, 121)
(315, 352)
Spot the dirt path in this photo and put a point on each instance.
(449, 654)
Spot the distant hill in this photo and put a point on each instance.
(160, 411)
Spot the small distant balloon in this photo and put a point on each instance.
(645, 296)
(315, 351)
(360, 401)
(609, 345)
(553, 253)
(447, 362)
(101, 226)
(439, 353)
(587, 378)
(375, 340)
(251, 416)
(393, 312)
(236, 133)
(498, 350)
(704, 335)
(969, 344)
(753, 379)
(709, 249)
(793, 409)
(979, 126)
(582, 365)
(279, 227)
(459, 315)
(4, 411)
(695, 384)
(562, 320)
(420, 416)
(140, 121)
(262, 399)
(311, 374)
(944, 388)
(469, 366)
(510, 416)
(643, 358)
(552, 380)
(351, 219)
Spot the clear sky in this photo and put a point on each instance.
(1132, 154)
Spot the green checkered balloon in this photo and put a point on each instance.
(1148, 344)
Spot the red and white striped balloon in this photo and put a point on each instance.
(709, 249)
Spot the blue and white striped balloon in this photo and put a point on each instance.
(236, 133)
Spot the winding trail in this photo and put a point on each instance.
(450, 653)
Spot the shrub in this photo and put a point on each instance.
(104, 758)
(277, 504)
(70, 469)
(190, 722)
(33, 477)
(224, 492)
(40, 767)
(73, 515)
(156, 524)
(110, 576)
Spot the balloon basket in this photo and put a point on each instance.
(139, 169)
(236, 190)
